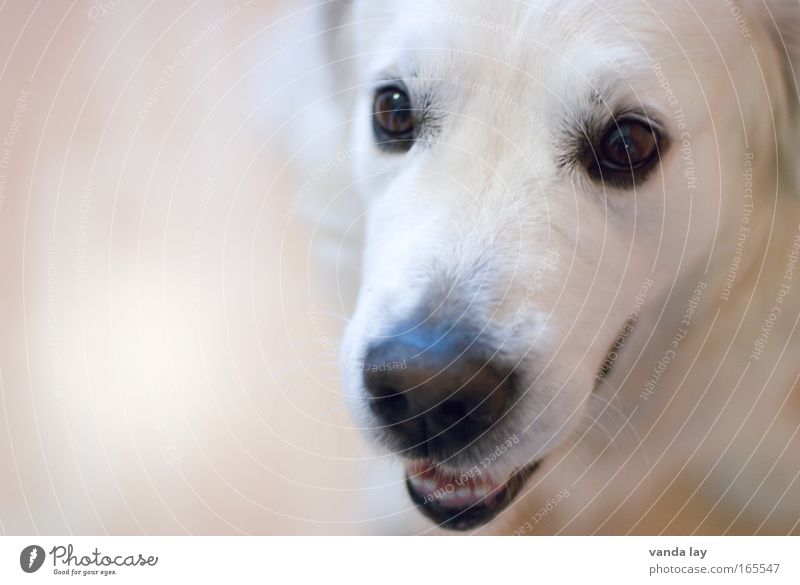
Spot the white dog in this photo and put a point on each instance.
(580, 289)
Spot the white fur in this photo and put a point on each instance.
(477, 213)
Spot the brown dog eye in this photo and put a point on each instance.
(628, 145)
(393, 117)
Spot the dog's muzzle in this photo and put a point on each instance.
(441, 395)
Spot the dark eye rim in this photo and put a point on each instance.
(624, 176)
(390, 141)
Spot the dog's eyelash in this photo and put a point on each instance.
(428, 118)
(580, 151)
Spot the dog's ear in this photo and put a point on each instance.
(337, 26)
(309, 71)
(336, 19)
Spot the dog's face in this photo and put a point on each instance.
(527, 170)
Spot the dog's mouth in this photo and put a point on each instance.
(461, 500)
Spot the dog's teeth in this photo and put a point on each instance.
(481, 491)
(450, 490)
(428, 486)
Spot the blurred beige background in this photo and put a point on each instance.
(166, 359)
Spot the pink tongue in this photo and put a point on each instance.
(452, 489)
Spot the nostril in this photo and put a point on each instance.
(386, 400)
(452, 412)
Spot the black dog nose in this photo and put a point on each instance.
(435, 389)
